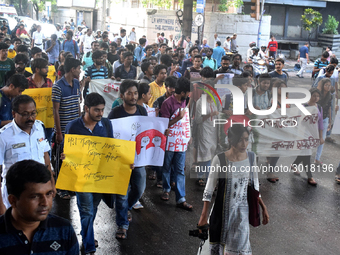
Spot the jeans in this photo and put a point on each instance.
(135, 191)
(87, 205)
(177, 159)
(332, 115)
(158, 170)
(203, 169)
(303, 62)
(324, 131)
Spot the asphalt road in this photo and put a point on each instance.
(303, 219)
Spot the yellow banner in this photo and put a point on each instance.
(96, 164)
(51, 72)
(43, 100)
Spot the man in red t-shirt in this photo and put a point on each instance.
(272, 46)
(21, 30)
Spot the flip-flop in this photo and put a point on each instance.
(185, 206)
(312, 182)
(337, 179)
(165, 196)
(129, 216)
(121, 234)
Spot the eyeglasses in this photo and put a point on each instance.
(27, 115)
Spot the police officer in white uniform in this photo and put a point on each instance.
(38, 38)
(23, 138)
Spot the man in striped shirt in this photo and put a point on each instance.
(27, 227)
(96, 71)
(65, 98)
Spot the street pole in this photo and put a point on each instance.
(259, 31)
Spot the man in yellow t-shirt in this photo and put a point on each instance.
(157, 88)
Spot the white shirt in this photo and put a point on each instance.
(125, 40)
(215, 40)
(87, 40)
(226, 44)
(16, 145)
(59, 33)
(38, 37)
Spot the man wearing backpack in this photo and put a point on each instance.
(209, 61)
(320, 63)
(53, 47)
(71, 45)
(139, 53)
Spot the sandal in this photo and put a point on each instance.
(295, 171)
(63, 194)
(337, 179)
(200, 182)
(129, 216)
(165, 196)
(173, 184)
(185, 206)
(95, 243)
(312, 182)
(121, 234)
(159, 184)
(318, 163)
(152, 176)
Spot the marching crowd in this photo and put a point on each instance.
(68, 61)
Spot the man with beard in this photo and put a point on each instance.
(23, 138)
(53, 48)
(209, 61)
(181, 55)
(39, 78)
(120, 61)
(112, 56)
(235, 68)
(15, 85)
(27, 227)
(189, 62)
(90, 124)
(157, 87)
(261, 94)
(129, 93)
(6, 64)
(20, 61)
(96, 71)
(225, 66)
(126, 70)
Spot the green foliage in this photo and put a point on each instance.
(158, 3)
(226, 4)
(40, 4)
(311, 19)
(331, 26)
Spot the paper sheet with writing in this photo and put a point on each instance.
(43, 100)
(96, 164)
(275, 140)
(107, 88)
(179, 135)
(148, 132)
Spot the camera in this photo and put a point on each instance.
(196, 232)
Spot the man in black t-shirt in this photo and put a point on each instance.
(129, 93)
(112, 56)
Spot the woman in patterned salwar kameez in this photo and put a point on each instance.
(229, 220)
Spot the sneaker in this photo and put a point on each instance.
(137, 206)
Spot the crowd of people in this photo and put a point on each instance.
(30, 154)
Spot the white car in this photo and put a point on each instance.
(48, 29)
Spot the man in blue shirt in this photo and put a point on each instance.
(90, 124)
(53, 48)
(303, 58)
(27, 227)
(71, 45)
(139, 52)
(15, 85)
(218, 53)
(126, 70)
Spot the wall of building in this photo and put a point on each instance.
(148, 22)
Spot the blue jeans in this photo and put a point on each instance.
(177, 159)
(87, 205)
(159, 173)
(332, 115)
(320, 147)
(203, 169)
(135, 191)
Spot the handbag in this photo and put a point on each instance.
(253, 198)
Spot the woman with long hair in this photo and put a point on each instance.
(229, 220)
(325, 102)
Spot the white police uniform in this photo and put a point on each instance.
(16, 145)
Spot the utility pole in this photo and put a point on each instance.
(103, 23)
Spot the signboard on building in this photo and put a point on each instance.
(200, 6)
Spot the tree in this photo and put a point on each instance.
(311, 20)
(226, 4)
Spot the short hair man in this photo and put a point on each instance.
(120, 61)
(15, 85)
(39, 78)
(162, 51)
(278, 73)
(71, 45)
(6, 64)
(320, 63)
(37, 38)
(139, 51)
(87, 58)
(170, 84)
(27, 227)
(22, 49)
(90, 124)
(157, 87)
(272, 46)
(261, 94)
(129, 93)
(147, 69)
(36, 52)
(53, 48)
(23, 138)
(112, 56)
(209, 60)
(126, 70)
(189, 62)
(175, 159)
